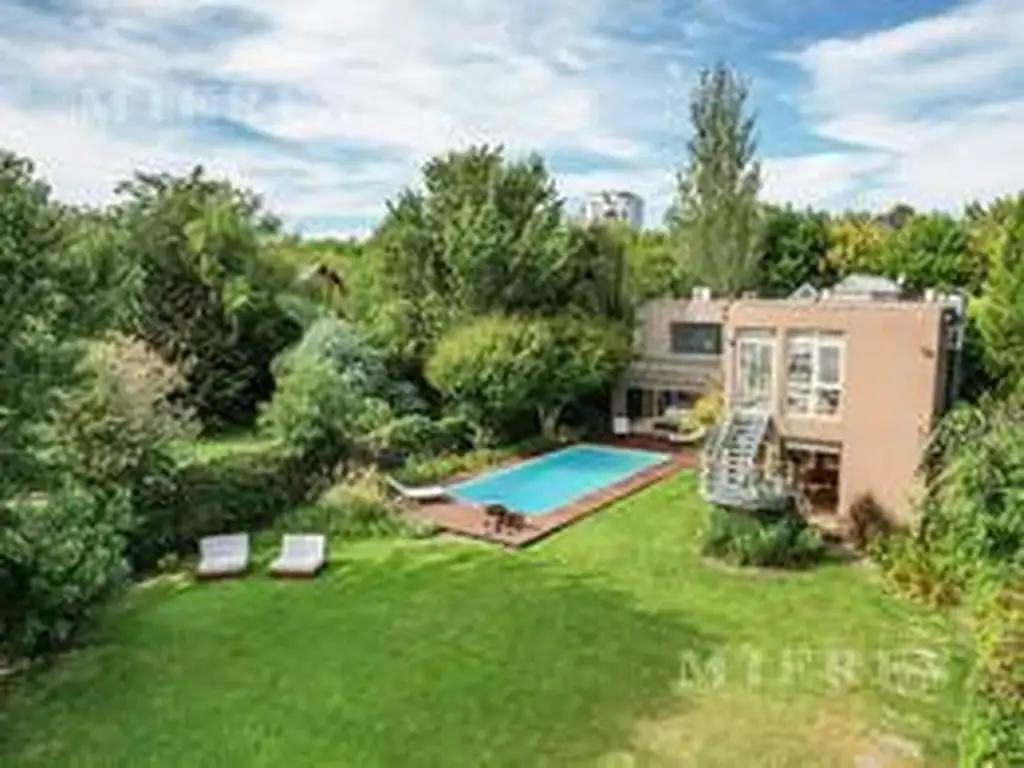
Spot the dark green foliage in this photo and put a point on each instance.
(204, 293)
(775, 541)
(61, 560)
(794, 251)
(485, 235)
(34, 363)
(974, 515)
(500, 368)
(999, 311)
(318, 413)
(932, 251)
(993, 728)
(419, 435)
(241, 493)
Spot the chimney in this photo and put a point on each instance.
(701, 293)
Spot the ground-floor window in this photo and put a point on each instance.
(644, 403)
(815, 474)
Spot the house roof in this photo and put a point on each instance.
(864, 284)
(805, 291)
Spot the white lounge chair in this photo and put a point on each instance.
(302, 555)
(422, 494)
(222, 556)
(620, 426)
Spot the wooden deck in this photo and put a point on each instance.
(470, 519)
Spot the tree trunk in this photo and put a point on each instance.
(549, 421)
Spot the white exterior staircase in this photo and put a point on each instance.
(731, 476)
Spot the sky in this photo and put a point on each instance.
(329, 108)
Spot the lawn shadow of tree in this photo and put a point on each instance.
(472, 658)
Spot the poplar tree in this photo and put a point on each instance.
(716, 219)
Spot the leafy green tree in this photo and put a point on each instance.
(856, 243)
(999, 311)
(716, 220)
(61, 561)
(653, 268)
(34, 361)
(318, 414)
(499, 367)
(363, 366)
(794, 251)
(204, 294)
(931, 251)
(118, 434)
(483, 235)
(61, 546)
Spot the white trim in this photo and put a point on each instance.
(815, 341)
(754, 338)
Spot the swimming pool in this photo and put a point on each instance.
(540, 485)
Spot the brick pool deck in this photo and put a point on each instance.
(470, 519)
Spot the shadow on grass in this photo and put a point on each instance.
(434, 657)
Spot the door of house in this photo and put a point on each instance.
(753, 389)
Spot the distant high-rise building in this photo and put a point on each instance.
(615, 205)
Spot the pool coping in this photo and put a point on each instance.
(470, 520)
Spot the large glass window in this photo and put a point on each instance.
(814, 382)
(696, 338)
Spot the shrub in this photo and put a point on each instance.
(708, 409)
(247, 492)
(358, 508)
(61, 561)
(433, 469)
(915, 570)
(973, 513)
(868, 522)
(318, 414)
(418, 435)
(992, 733)
(783, 541)
(118, 433)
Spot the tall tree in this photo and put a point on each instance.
(483, 235)
(205, 293)
(34, 322)
(793, 251)
(716, 220)
(999, 312)
(932, 251)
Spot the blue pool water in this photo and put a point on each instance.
(540, 485)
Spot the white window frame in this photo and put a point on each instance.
(766, 340)
(808, 392)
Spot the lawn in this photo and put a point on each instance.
(598, 647)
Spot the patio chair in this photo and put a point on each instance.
(621, 426)
(223, 556)
(302, 556)
(422, 494)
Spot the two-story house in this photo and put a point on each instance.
(839, 388)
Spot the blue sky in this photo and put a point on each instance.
(329, 108)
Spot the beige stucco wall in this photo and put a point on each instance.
(893, 363)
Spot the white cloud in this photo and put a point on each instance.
(386, 84)
(931, 110)
(817, 180)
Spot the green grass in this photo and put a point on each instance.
(213, 449)
(448, 654)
